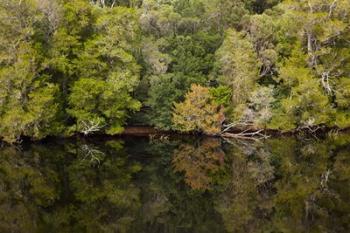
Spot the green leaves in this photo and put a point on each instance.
(101, 98)
(28, 99)
(87, 66)
(238, 65)
(304, 106)
(70, 64)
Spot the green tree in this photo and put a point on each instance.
(27, 95)
(102, 97)
(303, 106)
(238, 66)
(191, 61)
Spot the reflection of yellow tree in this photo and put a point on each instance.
(199, 163)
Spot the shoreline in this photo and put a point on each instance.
(151, 132)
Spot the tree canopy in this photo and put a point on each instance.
(82, 66)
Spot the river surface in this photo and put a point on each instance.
(176, 185)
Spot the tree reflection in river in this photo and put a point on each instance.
(199, 162)
(188, 185)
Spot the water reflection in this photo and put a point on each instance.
(200, 162)
(189, 185)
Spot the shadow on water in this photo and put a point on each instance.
(190, 185)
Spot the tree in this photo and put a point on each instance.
(224, 14)
(164, 90)
(303, 106)
(159, 18)
(342, 97)
(238, 66)
(198, 112)
(323, 28)
(263, 31)
(191, 61)
(28, 97)
(102, 97)
(259, 109)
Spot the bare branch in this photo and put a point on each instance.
(324, 179)
(246, 134)
(235, 124)
(331, 8)
(113, 3)
(91, 126)
(325, 82)
(102, 2)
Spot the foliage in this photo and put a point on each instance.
(258, 110)
(27, 95)
(303, 106)
(108, 73)
(79, 66)
(238, 66)
(198, 112)
(282, 185)
(185, 60)
(199, 165)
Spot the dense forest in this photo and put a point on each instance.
(83, 66)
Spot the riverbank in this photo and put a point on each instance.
(149, 131)
(238, 133)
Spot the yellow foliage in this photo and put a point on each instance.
(198, 112)
(199, 164)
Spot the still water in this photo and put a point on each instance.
(188, 185)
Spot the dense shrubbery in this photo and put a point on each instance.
(87, 66)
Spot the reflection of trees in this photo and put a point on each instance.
(300, 167)
(287, 185)
(54, 189)
(304, 194)
(243, 195)
(105, 200)
(337, 197)
(281, 185)
(24, 185)
(169, 205)
(199, 162)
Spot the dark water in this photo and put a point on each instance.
(190, 185)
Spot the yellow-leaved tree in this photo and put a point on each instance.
(198, 112)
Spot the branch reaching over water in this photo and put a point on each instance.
(247, 133)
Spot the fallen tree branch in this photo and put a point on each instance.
(248, 131)
(236, 124)
(246, 134)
